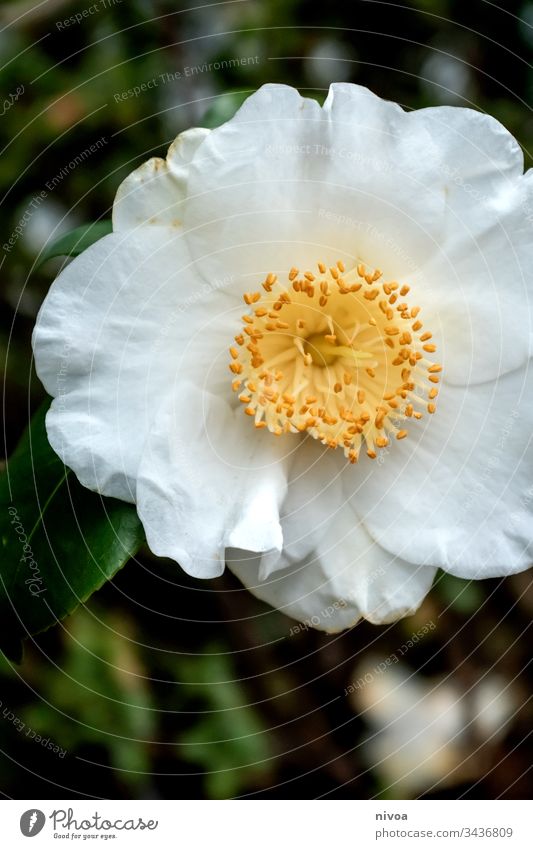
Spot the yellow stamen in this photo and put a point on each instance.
(327, 357)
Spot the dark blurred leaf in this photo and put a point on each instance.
(224, 108)
(111, 694)
(463, 595)
(75, 242)
(59, 541)
(228, 739)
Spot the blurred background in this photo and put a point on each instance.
(162, 686)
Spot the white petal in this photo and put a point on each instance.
(208, 479)
(435, 198)
(474, 285)
(301, 591)
(386, 166)
(109, 343)
(182, 150)
(385, 587)
(331, 572)
(154, 193)
(475, 147)
(457, 492)
(285, 182)
(476, 290)
(315, 494)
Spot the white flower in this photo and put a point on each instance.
(422, 730)
(372, 248)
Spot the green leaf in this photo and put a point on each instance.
(224, 108)
(227, 739)
(463, 595)
(75, 242)
(59, 542)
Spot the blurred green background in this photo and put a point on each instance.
(162, 686)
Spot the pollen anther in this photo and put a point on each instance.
(328, 357)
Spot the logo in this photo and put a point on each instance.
(32, 822)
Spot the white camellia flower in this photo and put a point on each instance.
(421, 729)
(304, 351)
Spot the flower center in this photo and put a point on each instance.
(337, 355)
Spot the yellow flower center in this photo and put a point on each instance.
(340, 356)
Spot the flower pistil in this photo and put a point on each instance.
(340, 356)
